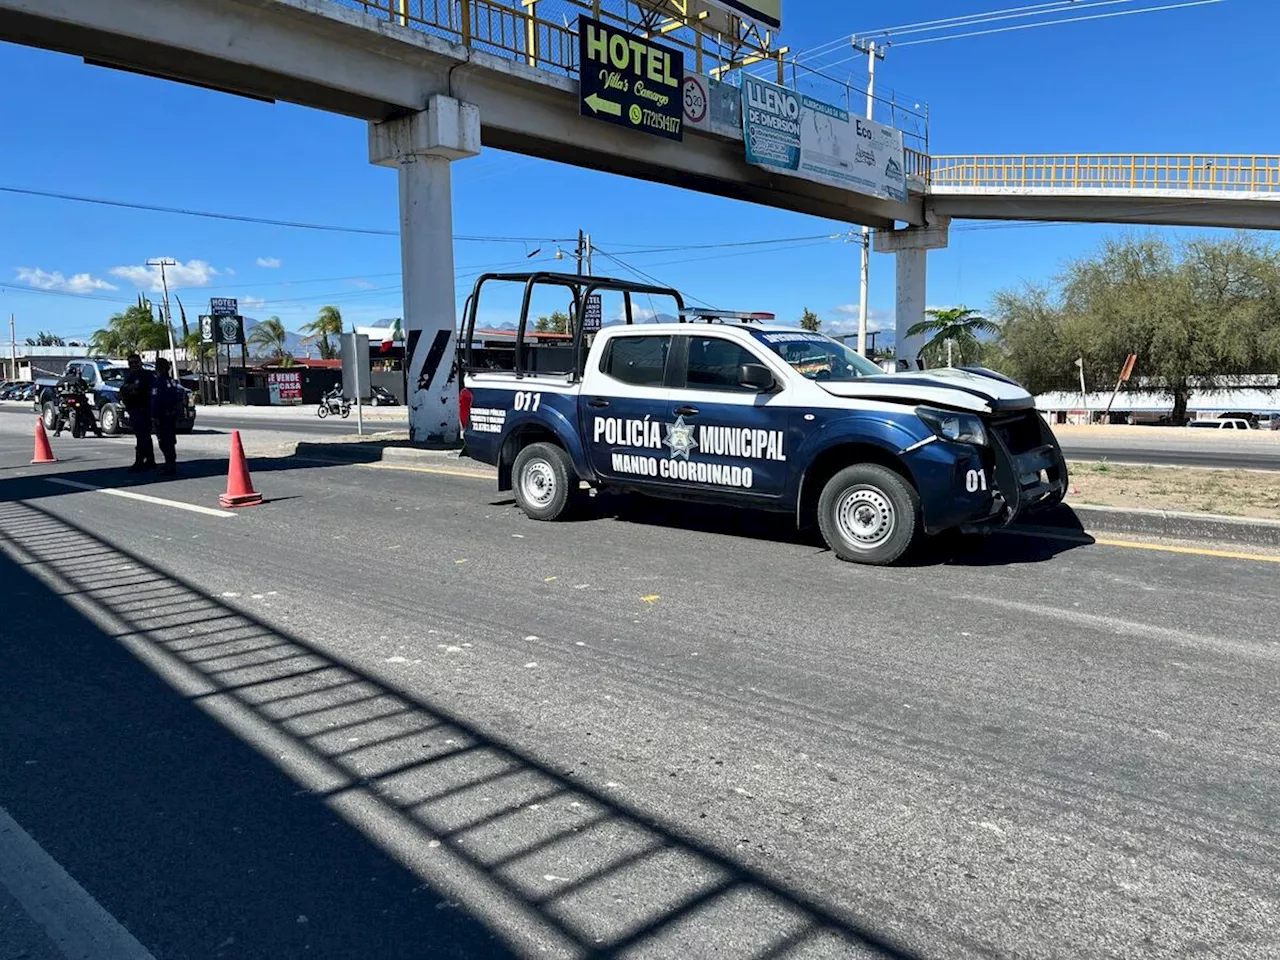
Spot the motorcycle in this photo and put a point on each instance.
(334, 402)
(74, 411)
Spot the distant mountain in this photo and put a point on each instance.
(293, 341)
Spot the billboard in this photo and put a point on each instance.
(284, 386)
(790, 133)
(711, 105)
(765, 12)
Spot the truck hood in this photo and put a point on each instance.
(978, 391)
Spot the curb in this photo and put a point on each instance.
(1165, 523)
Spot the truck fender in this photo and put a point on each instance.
(840, 443)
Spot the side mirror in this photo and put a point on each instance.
(756, 376)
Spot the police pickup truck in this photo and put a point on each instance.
(746, 413)
(102, 387)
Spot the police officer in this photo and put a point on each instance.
(135, 394)
(166, 406)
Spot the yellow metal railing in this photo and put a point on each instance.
(1120, 171)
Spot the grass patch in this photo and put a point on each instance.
(1238, 493)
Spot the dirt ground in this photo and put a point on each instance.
(1239, 493)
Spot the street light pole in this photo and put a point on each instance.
(163, 262)
(873, 54)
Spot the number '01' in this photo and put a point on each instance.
(528, 401)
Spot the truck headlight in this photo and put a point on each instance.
(949, 425)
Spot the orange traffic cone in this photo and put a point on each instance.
(240, 492)
(43, 452)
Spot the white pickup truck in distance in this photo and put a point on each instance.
(749, 414)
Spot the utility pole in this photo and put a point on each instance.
(13, 351)
(1084, 396)
(584, 252)
(873, 54)
(163, 262)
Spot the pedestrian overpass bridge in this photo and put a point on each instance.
(437, 79)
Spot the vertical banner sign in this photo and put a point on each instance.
(592, 313)
(629, 81)
(206, 329)
(789, 133)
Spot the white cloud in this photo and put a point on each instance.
(76, 283)
(193, 273)
(271, 263)
(251, 303)
(846, 319)
(362, 284)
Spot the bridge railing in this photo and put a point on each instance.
(1218, 173)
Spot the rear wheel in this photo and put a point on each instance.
(869, 514)
(544, 481)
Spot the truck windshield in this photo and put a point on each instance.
(818, 357)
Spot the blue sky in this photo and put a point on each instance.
(1188, 80)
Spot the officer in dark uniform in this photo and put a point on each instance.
(166, 406)
(135, 394)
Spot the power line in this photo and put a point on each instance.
(264, 221)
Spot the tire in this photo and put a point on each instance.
(544, 481)
(322, 411)
(77, 424)
(869, 514)
(109, 420)
(345, 411)
(49, 415)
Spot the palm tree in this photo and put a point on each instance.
(133, 330)
(328, 323)
(272, 337)
(45, 339)
(961, 326)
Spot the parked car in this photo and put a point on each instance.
(381, 397)
(13, 389)
(1251, 417)
(1222, 423)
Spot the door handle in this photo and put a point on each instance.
(597, 402)
(686, 411)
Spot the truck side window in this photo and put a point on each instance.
(637, 360)
(714, 363)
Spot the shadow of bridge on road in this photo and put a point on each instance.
(516, 842)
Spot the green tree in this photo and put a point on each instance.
(1195, 314)
(130, 331)
(271, 340)
(45, 339)
(809, 321)
(558, 322)
(328, 323)
(961, 326)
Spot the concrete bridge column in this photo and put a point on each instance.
(421, 147)
(911, 248)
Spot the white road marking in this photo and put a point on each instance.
(130, 495)
(69, 916)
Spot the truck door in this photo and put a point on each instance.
(731, 436)
(623, 405)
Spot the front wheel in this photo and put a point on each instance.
(869, 514)
(49, 412)
(544, 481)
(322, 411)
(110, 420)
(345, 411)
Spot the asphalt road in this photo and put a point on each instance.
(1177, 455)
(223, 421)
(385, 715)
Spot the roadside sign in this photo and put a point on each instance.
(629, 81)
(223, 306)
(206, 329)
(592, 312)
(227, 330)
